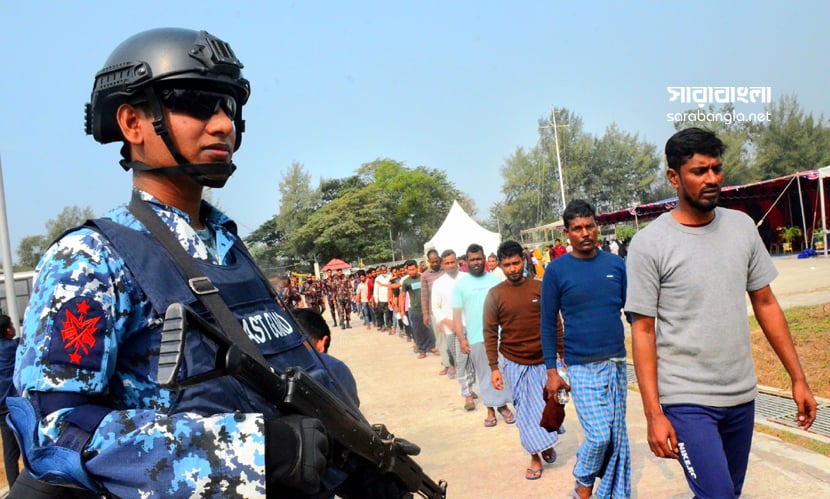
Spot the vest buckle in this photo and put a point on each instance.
(202, 286)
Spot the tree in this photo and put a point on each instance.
(418, 199)
(355, 217)
(790, 142)
(351, 226)
(297, 201)
(622, 171)
(31, 248)
(29, 251)
(71, 216)
(520, 207)
(611, 172)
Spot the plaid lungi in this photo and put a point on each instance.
(527, 383)
(599, 392)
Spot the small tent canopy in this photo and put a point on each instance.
(335, 264)
(459, 230)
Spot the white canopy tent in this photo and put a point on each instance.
(823, 173)
(459, 230)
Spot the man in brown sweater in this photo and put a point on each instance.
(514, 306)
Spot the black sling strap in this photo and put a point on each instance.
(208, 294)
(201, 286)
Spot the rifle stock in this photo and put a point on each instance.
(295, 391)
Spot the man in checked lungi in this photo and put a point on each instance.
(512, 326)
(588, 286)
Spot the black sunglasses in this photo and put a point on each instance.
(199, 104)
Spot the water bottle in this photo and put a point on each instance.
(562, 395)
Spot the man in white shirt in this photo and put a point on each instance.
(383, 314)
(460, 365)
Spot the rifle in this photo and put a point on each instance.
(371, 448)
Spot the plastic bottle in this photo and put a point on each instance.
(563, 395)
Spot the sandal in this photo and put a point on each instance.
(490, 422)
(508, 415)
(421, 355)
(469, 405)
(549, 455)
(533, 473)
(442, 372)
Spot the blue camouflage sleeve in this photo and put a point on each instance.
(93, 401)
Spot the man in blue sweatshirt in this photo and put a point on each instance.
(588, 287)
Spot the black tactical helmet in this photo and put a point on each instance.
(163, 56)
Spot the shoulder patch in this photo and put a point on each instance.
(77, 334)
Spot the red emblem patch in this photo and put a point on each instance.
(78, 333)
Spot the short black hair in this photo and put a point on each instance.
(510, 248)
(314, 325)
(433, 250)
(577, 208)
(447, 253)
(410, 263)
(5, 323)
(475, 248)
(690, 141)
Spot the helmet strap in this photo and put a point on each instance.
(160, 127)
(200, 172)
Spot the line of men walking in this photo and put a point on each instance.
(682, 287)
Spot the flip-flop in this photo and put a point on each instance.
(549, 455)
(469, 406)
(533, 473)
(508, 416)
(490, 422)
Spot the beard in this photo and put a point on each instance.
(705, 205)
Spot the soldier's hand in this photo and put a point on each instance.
(295, 453)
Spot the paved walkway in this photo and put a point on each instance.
(407, 395)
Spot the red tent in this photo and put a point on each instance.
(335, 264)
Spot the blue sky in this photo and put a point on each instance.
(450, 85)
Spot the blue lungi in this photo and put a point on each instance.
(527, 383)
(599, 390)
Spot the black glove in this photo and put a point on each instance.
(295, 453)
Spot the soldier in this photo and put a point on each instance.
(344, 299)
(313, 294)
(330, 293)
(292, 294)
(92, 414)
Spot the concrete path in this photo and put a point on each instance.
(407, 395)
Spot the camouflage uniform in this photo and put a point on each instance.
(292, 297)
(313, 292)
(344, 301)
(330, 290)
(87, 367)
